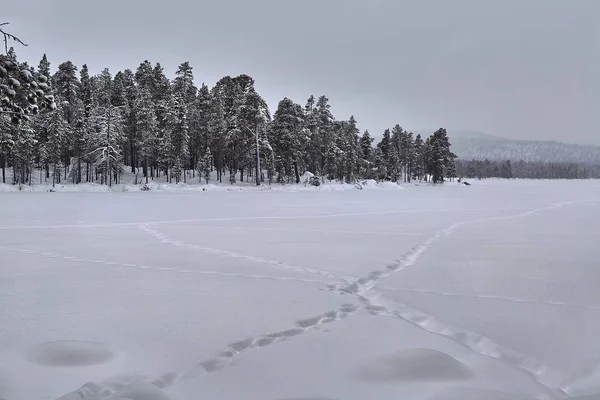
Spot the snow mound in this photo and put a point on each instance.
(308, 398)
(369, 184)
(584, 386)
(477, 394)
(140, 391)
(415, 365)
(389, 185)
(306, 176)
(69, 353)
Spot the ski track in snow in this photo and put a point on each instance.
(544, 376)
(494, 297)
(162, 269)
(348, 232)
(80, 225)
(278, 264)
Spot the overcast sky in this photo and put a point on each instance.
(525, 69)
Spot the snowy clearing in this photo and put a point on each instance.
(434, 293)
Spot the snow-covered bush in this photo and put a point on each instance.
(315, 180)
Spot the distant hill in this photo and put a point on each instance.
(479, 146)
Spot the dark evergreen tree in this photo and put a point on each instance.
(199, 116)
(177, 123)
(147, 129)
(287, 137)
(384, 159)
(440, 157)
(366, 156)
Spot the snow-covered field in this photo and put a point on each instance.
(486, 292)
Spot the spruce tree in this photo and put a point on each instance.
(440, 158)
(325, 135)
(183, 84)
(178, 130)
(204, 166)
(108, 127)
(22, 91)
(216, 130)
(366, 155)
(287, 137)
(147, 128)
(418, 158)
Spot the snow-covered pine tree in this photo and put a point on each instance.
(108, 127)
(66, 87)
(366, 155)
(418, 170)
(161, 95)
(147, 129)
(439, 155)
(199, 125)
(406, 154)
(326, 131)
(395, 160)
(57, 131)
(22, 92)
(183, 84)
(125, 95)
(204, 166)
(287, 137)
(385, 148)
(268, 156)
(23, 152)
(6, 143)
(178, 130)
(216, 130)
(253, 117)
(314, 145)
(351, 150)
(144, 76)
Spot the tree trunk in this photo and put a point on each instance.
(296, 172)
(78, 169)
(108, 175)
(146, 169)
(2, 157)
(132, 157)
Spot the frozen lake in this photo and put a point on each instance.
(484, 292)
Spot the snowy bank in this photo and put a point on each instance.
(199, 187)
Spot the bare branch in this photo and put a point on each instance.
(9, 36)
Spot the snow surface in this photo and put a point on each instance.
(434, 293)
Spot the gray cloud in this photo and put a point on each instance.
(519, 68)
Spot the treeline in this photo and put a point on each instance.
(526, 169)
(144, 122)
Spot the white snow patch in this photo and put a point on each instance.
(413, 365)
(139, 391)
(70, 353)
(477, 394)
(389, 185)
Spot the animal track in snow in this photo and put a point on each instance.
(278, 264)
(164, 269)
(234, 349)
